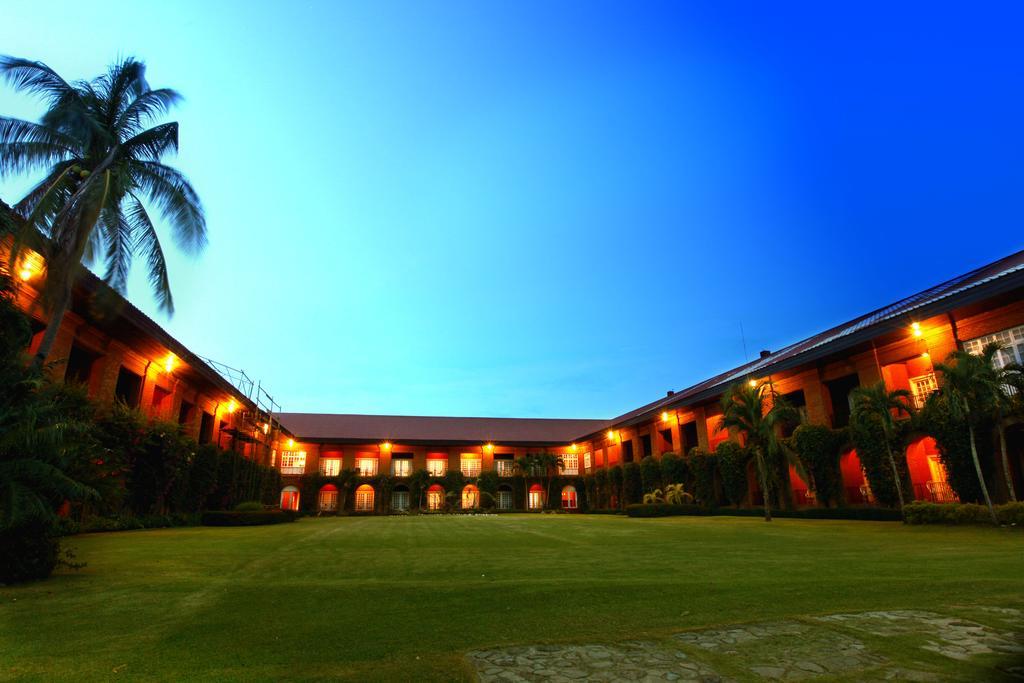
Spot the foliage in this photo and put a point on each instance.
(818, 448)
(632, 484)
(674, 470)
(249, 506)
(674, 494)
(650, 474)
(601, 485)
(875, 410)
(704, 468)
(419, 482)
(954, 442)
(874, 447)
(246, 518)
(615, 494)
(732, 467)
(921, 512)
(872, 514)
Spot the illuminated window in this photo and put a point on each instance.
(328, 500)
(470, 497)
(436, 467)
(922, 387)
(1012, 341)
(435, 498)
(400, 499)
(504, 499)
(401, 467)
(330, 467)
(587, 461)
(364, 498)
(367, 467)
(569, 498)
(289, 498)
(293, 462)
(505, 467)
(571, 464)
(470, 464)
(535, 499)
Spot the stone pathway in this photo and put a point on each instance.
(819, 648)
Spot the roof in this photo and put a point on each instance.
(439, 430)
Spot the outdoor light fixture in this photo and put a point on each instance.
(916, 329)
(291, 443)
(664, 416)
(232, 407)
(926, 355)
(489, 447)
(169, 363)
(611, 435)
(386, 446)
(572, 447)
(752, 383)
(26, 272)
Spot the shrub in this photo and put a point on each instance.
(1011, 513)
(30, 551)
(920, 512)
(869, 439)
(632, 483)
(953, 439)
(732, 466)
(249, 506)
(818, 449)
(237, 518)
(650, 474)
(674, 470)
(872, 514)
(703, 467)
(600, 499)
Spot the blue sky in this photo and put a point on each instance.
(556, 209)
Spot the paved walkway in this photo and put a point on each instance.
(842, 646)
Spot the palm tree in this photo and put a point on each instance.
(419, 481)
(1005, 385)
(974, 389)
(878, 403)
(103, 167)
(757, 411)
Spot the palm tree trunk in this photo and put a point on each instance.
(60, 307)
(1006, 462)
(895, 476)
(981, 478)
(762, 466)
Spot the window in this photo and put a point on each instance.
(289, 498)
(645, 446)
(364, 498)
(401, 467)
(1012, 341)
(79, 367)
(435, 497)
(535, 499)
(470, 465)
(689, 437)
(293, 462)
(128, 388)
(505, 467)
(367, 467)
(328, 500)
(400, 499)
(206, 428)
(330, 467)
(569, 498)
(627, 450)
(436, 467)
(922, 387)
(504, 500)
(587, 461)
(161, 400)
(570, 464)
(470, 497)
(186, 412)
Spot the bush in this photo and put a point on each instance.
(869, 439)
(818, 448)
(732, 465)
(872, 514)
(954, 441)
(1011, 513)
(632, 483)
(962, 513)
(650, 474)
(30, 551)
(238, 518)
(615, 486)
(249, 506)
(704, 467)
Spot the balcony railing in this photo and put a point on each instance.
(941, 492)
(293, 470)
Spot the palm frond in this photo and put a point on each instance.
(27, 147)
(153, 143)
(177, 202)
(35, 78)
(147, 243)
(147, 107)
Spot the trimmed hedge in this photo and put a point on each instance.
(871, 514)
(237, 518)
(962, 513)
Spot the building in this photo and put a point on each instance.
(898, 343)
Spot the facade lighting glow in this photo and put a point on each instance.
(169, 363)
(916, 329)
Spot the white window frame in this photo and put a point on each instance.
(365, 469)
(921, 387)
(535, 500)
(570, 464)
(504, 500)
(327, 501)
(574, 500)
(505, 467)
(400, 501)
(365, 500)
(293, 462)
(588, 461)
(1011, 339)
(437, 467)
(470, 464)
(330, 467)
(401, 467)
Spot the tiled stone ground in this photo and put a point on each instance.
(819, 648)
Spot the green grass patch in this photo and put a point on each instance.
(387, 598)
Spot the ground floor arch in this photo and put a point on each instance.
(569, 500)
(435, 497)
(400, 498)
(535, 497)
(327, 500)
(470, 497)
(290, 498)
(364, 498)
(927, 473)
(503, 499)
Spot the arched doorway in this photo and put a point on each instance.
(400, 498)
(364, 498)
(328, 498)
(435, 497)
(504, 498)
(470, 497)
(855, 486)
(927, 473)
(290, 498)
(569, 498)
(535, 497)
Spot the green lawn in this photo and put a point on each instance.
(402, 597)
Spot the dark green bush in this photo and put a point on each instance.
(818, 449)
(632, 483)
(851, 513)
(249, 506)
(732, 466)
(615, 486)
(600, 498)
(650, 474)
(704, 468)
(674, 470)
(953, 439)
(28, 552)
(920, 512)
(236, 518)
(869, 439)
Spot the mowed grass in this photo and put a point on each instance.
(400, 598)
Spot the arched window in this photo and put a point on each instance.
(535, 500)
(290, 498)
(470, 497)
(504, 497)
(569, 498)
(400, 498)
(364, 498)
(435, 497)
(328, 500)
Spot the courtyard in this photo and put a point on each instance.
(526, 597)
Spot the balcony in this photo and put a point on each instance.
(293, 469)
(505, 468)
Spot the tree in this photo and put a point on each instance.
(879, 404)
(103, 167)
(419, 481)
(542, 465)
(757, 411)
(975, 389)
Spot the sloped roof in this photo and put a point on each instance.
(439, 430)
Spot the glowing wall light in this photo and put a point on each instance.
(915, 328)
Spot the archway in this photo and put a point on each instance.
(470, 497)
(400, 498)
(504, 497)
(435, 497)
(328, 499)
(569, 498)
(364, 498)
(535, 497)
(290, 498)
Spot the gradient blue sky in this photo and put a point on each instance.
(556, 209)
